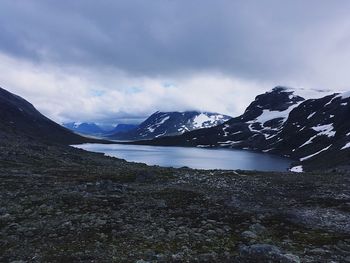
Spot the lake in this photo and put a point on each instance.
(198, 158)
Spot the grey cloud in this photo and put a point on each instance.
(254, 39)
(111, 60)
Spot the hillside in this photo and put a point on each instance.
(19, 118)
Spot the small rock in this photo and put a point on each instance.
(211, 232)
(249, 235)
(179, 256)
(171, 234)
(257, 228)
(265, 252)
(161, 230)
(319, 251)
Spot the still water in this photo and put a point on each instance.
(199, 158)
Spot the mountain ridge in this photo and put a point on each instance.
(271, 124)
(161, 124)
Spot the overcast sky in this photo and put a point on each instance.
(119, 61)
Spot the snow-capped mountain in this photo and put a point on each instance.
(314, 132)
(263, 119)
(161, 124)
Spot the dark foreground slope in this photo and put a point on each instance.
(60, 204)
(19, 118)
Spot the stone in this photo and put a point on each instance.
(257, 228)
(211, 232)
(171, 234)
(249, 235)
(265, 252)
(319, 251)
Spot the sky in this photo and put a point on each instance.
(118, 61)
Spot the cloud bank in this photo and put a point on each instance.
(122, 60)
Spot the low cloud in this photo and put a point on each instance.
(75, 94)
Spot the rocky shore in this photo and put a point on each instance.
(60, 204)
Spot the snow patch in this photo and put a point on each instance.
(204, 121)
(346, 146)
(308, 142)
(310, 116)
(77, 124)
(326, 129)
(224, 129)
(271, 115)
(312, 155)
(297, 169)
(152, 127)
(159, 135)
(229, 143)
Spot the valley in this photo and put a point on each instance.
(62, 204)
(174, 131)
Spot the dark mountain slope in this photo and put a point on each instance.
(318, 132)
(19, 118)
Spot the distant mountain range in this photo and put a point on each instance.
(91, 128)
(315, 132)
(19, 118)
(87, 128)
(121, 128)
(161, 124)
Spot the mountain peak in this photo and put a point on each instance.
(282, 89)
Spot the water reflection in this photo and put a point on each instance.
(192, 157)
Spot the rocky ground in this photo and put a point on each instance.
(59, 204)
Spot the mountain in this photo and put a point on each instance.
(317, 133)
(91, 128)
(19, 118)
(161, 124)
(263, 119)
(121, 128)
(314, 132)
(88, 128)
